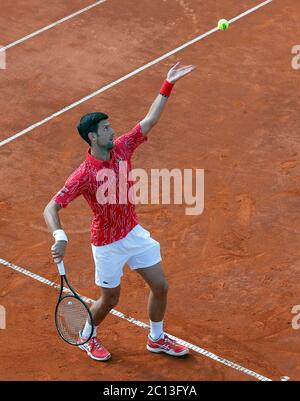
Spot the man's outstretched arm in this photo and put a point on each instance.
(153, 116)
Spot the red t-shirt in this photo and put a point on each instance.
(111, 222)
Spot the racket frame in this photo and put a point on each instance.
(63, 278)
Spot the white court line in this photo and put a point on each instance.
(121, 315)
(125, 77)
(53, 25)
(251, 10)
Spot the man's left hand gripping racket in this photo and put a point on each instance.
(71, 313)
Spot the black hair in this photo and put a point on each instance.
(89, 123)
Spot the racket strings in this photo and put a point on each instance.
(71, 318)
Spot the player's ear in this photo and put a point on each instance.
(92, 137)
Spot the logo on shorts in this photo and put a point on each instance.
(105, 282)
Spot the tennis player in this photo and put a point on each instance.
(117, 237)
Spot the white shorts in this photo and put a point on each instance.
(137, 249)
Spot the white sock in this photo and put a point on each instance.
(87, 330)
(156, 329)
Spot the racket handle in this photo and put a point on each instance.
(61, 268)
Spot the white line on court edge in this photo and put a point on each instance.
(53, 25)
(251, 10)
(125, 77)
(121, 315)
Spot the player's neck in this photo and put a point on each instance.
(101, 154)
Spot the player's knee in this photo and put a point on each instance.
(160, 289)
(110, 297)
(111, 300)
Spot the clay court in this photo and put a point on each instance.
(234, 270)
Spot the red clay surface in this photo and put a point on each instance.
(234, 270)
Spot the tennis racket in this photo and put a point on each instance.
(71, 313)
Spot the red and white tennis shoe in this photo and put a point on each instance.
(167, 345)
(95, 350)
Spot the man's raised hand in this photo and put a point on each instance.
(177, 72)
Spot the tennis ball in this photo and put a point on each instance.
(223, 24)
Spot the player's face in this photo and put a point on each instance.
(105, 135)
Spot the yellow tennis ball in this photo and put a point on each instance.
(223, 24)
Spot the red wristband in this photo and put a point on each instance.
(166, 89)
